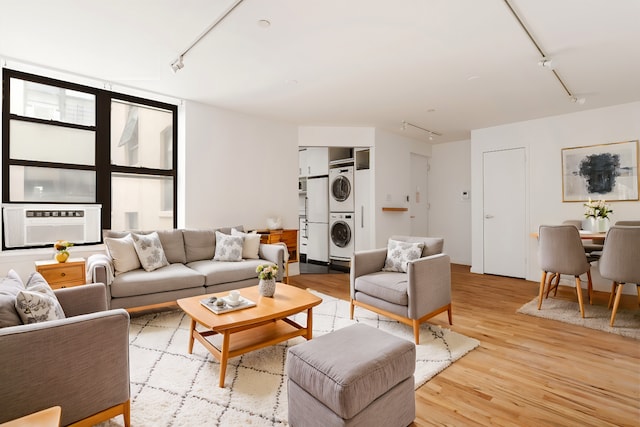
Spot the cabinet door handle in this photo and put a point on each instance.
(63, 274)
(361, 216)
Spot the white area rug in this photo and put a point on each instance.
(170, 387)
(595, 316)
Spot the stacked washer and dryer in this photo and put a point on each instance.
(341, 213)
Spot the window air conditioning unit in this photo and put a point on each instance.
(42, 224)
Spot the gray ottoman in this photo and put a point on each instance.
(355, 376)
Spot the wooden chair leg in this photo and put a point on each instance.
(450, 314)
(416, 331)
(617, 303)
(579, 292)
(638, 290)
(351, 307)
(543, 281)
(612, 293)
(589, 287)
(554, 281)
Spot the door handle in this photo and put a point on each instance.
(487, 216)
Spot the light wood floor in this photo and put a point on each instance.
(527, 371)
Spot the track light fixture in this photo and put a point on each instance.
(178, 64)
(430, 132)
(545, 62)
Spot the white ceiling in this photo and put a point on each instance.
(445, 65)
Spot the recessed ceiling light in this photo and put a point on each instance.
(264, 23)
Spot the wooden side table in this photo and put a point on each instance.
(63, 274)
(286, 236)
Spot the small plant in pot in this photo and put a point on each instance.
(267, 274)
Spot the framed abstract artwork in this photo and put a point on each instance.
(601, 172)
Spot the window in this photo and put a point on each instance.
(67, 143)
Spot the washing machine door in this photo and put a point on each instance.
(341, 188)
(340, 234)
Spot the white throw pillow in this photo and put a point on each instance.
(38, 303)
(400, 253)
(228, 248)
(123, 253)
(250, 243)
(149, 250)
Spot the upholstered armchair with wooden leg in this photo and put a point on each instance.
(620, 262)
(560, 251)
(412, 296)
(80, 363)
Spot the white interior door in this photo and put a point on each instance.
(418, 205)
(504, 210)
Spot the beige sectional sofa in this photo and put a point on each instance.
(193, 266)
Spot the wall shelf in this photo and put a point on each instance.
(395, 209)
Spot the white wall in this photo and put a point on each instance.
(543, 140)
(392, 180)
(450, 215)
(335, 136)
(240, 169)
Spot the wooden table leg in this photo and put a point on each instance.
(224, 357)
(192, 328)
(309, 324)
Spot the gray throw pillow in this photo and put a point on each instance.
(9, 288)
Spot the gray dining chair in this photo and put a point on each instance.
(589, 245)
(560, 251)
(620, 262)
(629, 223)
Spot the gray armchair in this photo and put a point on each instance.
(412, 297)
(80, 363)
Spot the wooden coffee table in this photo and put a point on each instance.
(238, 332)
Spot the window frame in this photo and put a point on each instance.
(102, 167)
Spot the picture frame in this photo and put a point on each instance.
(600, 172)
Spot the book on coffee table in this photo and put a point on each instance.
(210, 303)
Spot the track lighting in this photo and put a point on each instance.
(177, 64)
(578, 100)
(430, 132)
(546, 63)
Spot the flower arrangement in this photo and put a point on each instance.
(267, 271)
(62, 252)
(597, 209)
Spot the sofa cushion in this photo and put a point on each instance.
(228, 248)
(250, 243)
(173, 244)
(432, 245)
(38, 303)
(217, 272)
(388, 286)
(400, 253)
(123, 254)
(150, 251)
(199, 244)
(9, 288)
(227, 230)
(169, 278)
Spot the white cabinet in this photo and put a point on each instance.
(314, 161)
(302, 237)
(363, 213)
(318, 249)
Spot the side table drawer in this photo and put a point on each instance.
(60, 275)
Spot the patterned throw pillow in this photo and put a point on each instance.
(149, 250)
(37, 303)
(400, 253)
(228, 248)
(123, 253)
(250, 243)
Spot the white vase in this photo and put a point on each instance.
(267, 287)
(602, 225)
